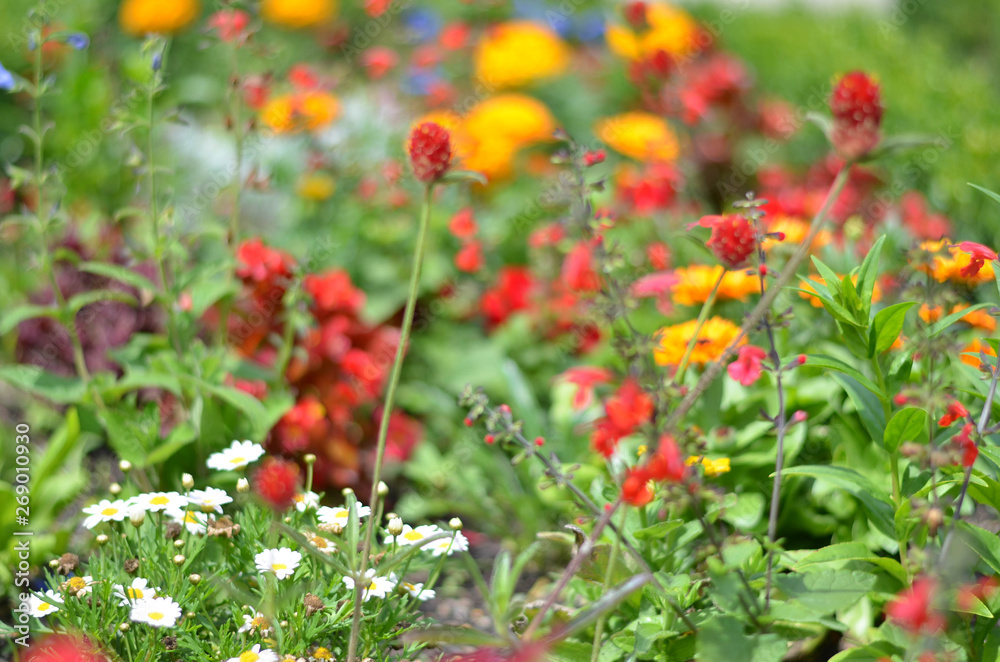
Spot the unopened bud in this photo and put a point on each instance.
(124, 627)
(187, 481)
(799, 416)
(115, 489)
(455, 524)
(309, 458)
(934, 519)
(54, 563)
(137, 516)
(179, 543)
(102, 539)
(347, 491)
(125, 466)
(242, 486)
(195, 579)
(383, 489)
(395, 526)
(179, 559)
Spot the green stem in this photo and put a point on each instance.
(595, 651)
(390, 398)
(702, 317)
(897, 496)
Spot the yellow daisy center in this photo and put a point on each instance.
(156, 615)
(299, 498)
(134, 593)
(279, 566)
(249, 656)
(45, 606)
(159, 501)
(320, 543)
(322, 654)
(260, 623)
(239, 460)
(108, 512)
(77, 583)
(413, 535)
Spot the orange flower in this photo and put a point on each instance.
(306, 110)
(978, 319)
(930, 314)
(642, 136)
(519, 52)
(298, 13)
(951, 263)
(668, 29)
(970, 355)
(695, 283)
(795, 230)
(141, 17)
(715, 336)
(815, 300)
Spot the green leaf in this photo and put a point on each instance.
(60, 444)
(658, 530)
(868, 405)
(826, 591)
(988, 192)
(456, 176)
(17, 314)
(984, 543)
(851, 551)
(257, 414)
(84, 299)
(886, 326)
(868, 274)
(852, 302)
(824, 361)
(943, 323)
(58, 389)
(179, 437)
(829, 277)
(721, 639)
(907, 424)
(877, 502)
(119, 273)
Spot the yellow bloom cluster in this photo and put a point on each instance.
(519, 52)
(669, 29)
(713, 468)
(140, 17)
(305, 110)
(489, 136)
(695, 283)
(642, 136)
(715, 336)
(298, 13)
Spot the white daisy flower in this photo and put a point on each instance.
(255, 654)
(160, 612)
(418, 591)
(138, 590)
(414, 536)
(105, 511)
(237, 456)
(378, 587)
(40, 608)
(282, 562)
(449, 546)
(154, 502)
(319, 542)
(255, 622)
(339, 515)
(78, 586)
(210, 499)
(195, 522)
(306, 501)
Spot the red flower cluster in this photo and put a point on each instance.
(339, 368)
(747, 367)
(277, 483)
(464, 228)
(954, 412)
(913, 609)
(62, 648)
(856, 104)
(624, 412)
(430, 151)
(666, 465)
(967, 445)
(733, 240)
(650, 190)
(980, 256)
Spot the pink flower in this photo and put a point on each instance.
(747, 367)
(230, 23)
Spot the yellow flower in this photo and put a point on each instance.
(140, 17)
(519, 52)
(795, 230)
(317, 186)
(294, 112)
(949, 266)
(642, 136)
(670, 30)
(715, 336)
(695, 283)
(712, 467)
(298, 13)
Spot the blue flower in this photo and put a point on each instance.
(590, 26)
(7, 81)
(157, 61)
(78, 40)
(424, 23)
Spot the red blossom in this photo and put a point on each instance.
(980, 255)
(259, 263)
(302, 425)
(605, 437)
(912, 609)
(856, 104)
(333, 292)
(592, 158)
(658, 255)
(954, 412)
(967, 444)
(62, 648)
(629, 408)
(667, 463)
(303, 77)
(547, 235)
(733, 240)
(277, 483)
(470, 257)
(511, 294)
(463, 224)
(430, 151)
(982, 590)
(376, 8)
(378, 61)
(229, 23)
(635, 488)
(578, 269)
(585, 378)
(747, 367)
(454, 36)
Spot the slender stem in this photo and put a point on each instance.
(764, 305)
(595, 651)
(702, 316)
(780, 425)
(390, 397)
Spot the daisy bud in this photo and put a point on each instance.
(391, 516)
(187, 481)
(242, 486)
(124, 627)
(179, 543)
(195, 579)
(54, 563)
(179, 559)
(429, 148)
(125, 466)
(102, 539)
(137, 516)
(383, 489)
(455, 524)
(288, 520)
(395, 527)
(309, 458)
(347, 491)
(115, 489)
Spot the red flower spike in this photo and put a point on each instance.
(733, 241)
(747, 367)
(954, 412)
(980, 255)
(629, 408)
(578, 269)
(912, 609)
(430, 151)
(277, 483)
(968, 445)
(667, 464)
(856, 104)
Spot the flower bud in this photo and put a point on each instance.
(137, 516)
(125, 466)
(187, 480)
(455, 523)
(124, 627)
(242, 486)
(395, 527)
(347, 491)
(309, 458)
(195, 579)
(179, 543)
(54, 563)
(102, 539)
(179, 559)
(115, 489)
(383, 489)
